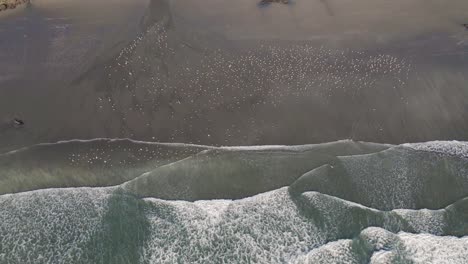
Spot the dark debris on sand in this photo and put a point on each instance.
(267, 2)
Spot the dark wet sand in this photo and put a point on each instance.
(234, 73)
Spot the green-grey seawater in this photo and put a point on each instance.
(339, 202)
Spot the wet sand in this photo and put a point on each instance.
(233, 72)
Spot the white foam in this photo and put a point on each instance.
(334, 252)
(455, 148)
(425, 248)
(50, 226)
(424, 220)
(393, 248)
(214, 208)
(382, 257)
(266, 228)
(110, 140)
(175, 144)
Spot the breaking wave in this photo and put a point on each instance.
(124, 201)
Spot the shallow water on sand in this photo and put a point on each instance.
(234, 73)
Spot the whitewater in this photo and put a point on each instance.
(124, 201)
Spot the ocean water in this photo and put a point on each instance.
(338, 202)
(245, 85)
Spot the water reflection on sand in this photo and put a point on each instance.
(231, 72)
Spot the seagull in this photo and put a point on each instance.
(18, 122)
